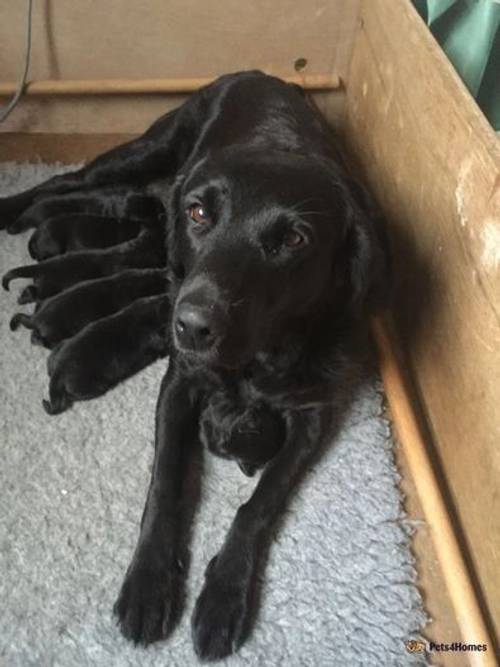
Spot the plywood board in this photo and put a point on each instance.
(181, 38)
(434, 165)
(50, 148)
(88, 115)
(127, 114)
(442, 626)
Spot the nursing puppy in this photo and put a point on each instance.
(79, 231)
(107, 352)
(57, 274)
(277, 260)
(66, 313)
(124, 203)
(251, 437)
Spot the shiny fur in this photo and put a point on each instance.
(275, 258)
(66, 313)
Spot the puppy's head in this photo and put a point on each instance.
(263, 239)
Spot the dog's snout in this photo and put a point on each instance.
(196, 327)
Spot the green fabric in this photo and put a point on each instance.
(469, 33)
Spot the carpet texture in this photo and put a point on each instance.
(339, 586)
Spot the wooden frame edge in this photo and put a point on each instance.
(51, 87)
(465, 603)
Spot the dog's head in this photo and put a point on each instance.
(262, 239)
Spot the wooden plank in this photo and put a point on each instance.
(442, 626)
(460, 589)
(178, 39)
(178, 86)
(434, 164)
(101, 115)
(127, 114)
(65, 148)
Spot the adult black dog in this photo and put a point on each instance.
(274, 261)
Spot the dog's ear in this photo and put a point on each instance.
(367, 253)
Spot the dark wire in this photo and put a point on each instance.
(20, 89)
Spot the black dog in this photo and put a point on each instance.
(66, 313)
(106, 352)
(276, 261)
(57, 274)
(79, 231)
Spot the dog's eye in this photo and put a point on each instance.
(198, 214)
(294, 239)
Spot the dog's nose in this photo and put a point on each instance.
(195, 328)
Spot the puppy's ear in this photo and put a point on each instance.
(368, 259)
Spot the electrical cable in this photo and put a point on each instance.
(4, 113)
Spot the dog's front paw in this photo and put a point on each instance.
(146, 608)
(220, 617)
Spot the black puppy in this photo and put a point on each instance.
(276, 264)
(57, 274)
(252, 436)
(106, 352)
(64, 314)
(79, 231)
(113, 202)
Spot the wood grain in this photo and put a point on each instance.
(175, 40)
(50, 148)
(434, 164)
(468, 613)
(178, 86)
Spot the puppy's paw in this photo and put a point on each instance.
(146, 608)
(58, 404)
(220, 618)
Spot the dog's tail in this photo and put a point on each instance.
(59, 397)
(21, 318)
(28, 271)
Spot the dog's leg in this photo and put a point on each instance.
(221, 616)
(147, 606)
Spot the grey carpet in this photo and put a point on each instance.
(339, 587)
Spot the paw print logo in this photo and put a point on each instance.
(415, 646)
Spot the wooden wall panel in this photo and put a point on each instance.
(179, 38)
(434, 163)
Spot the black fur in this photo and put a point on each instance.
(79, 231)
(112, 202)
(106, 352)
(58, 273)
(66, 313)
(276, 261)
